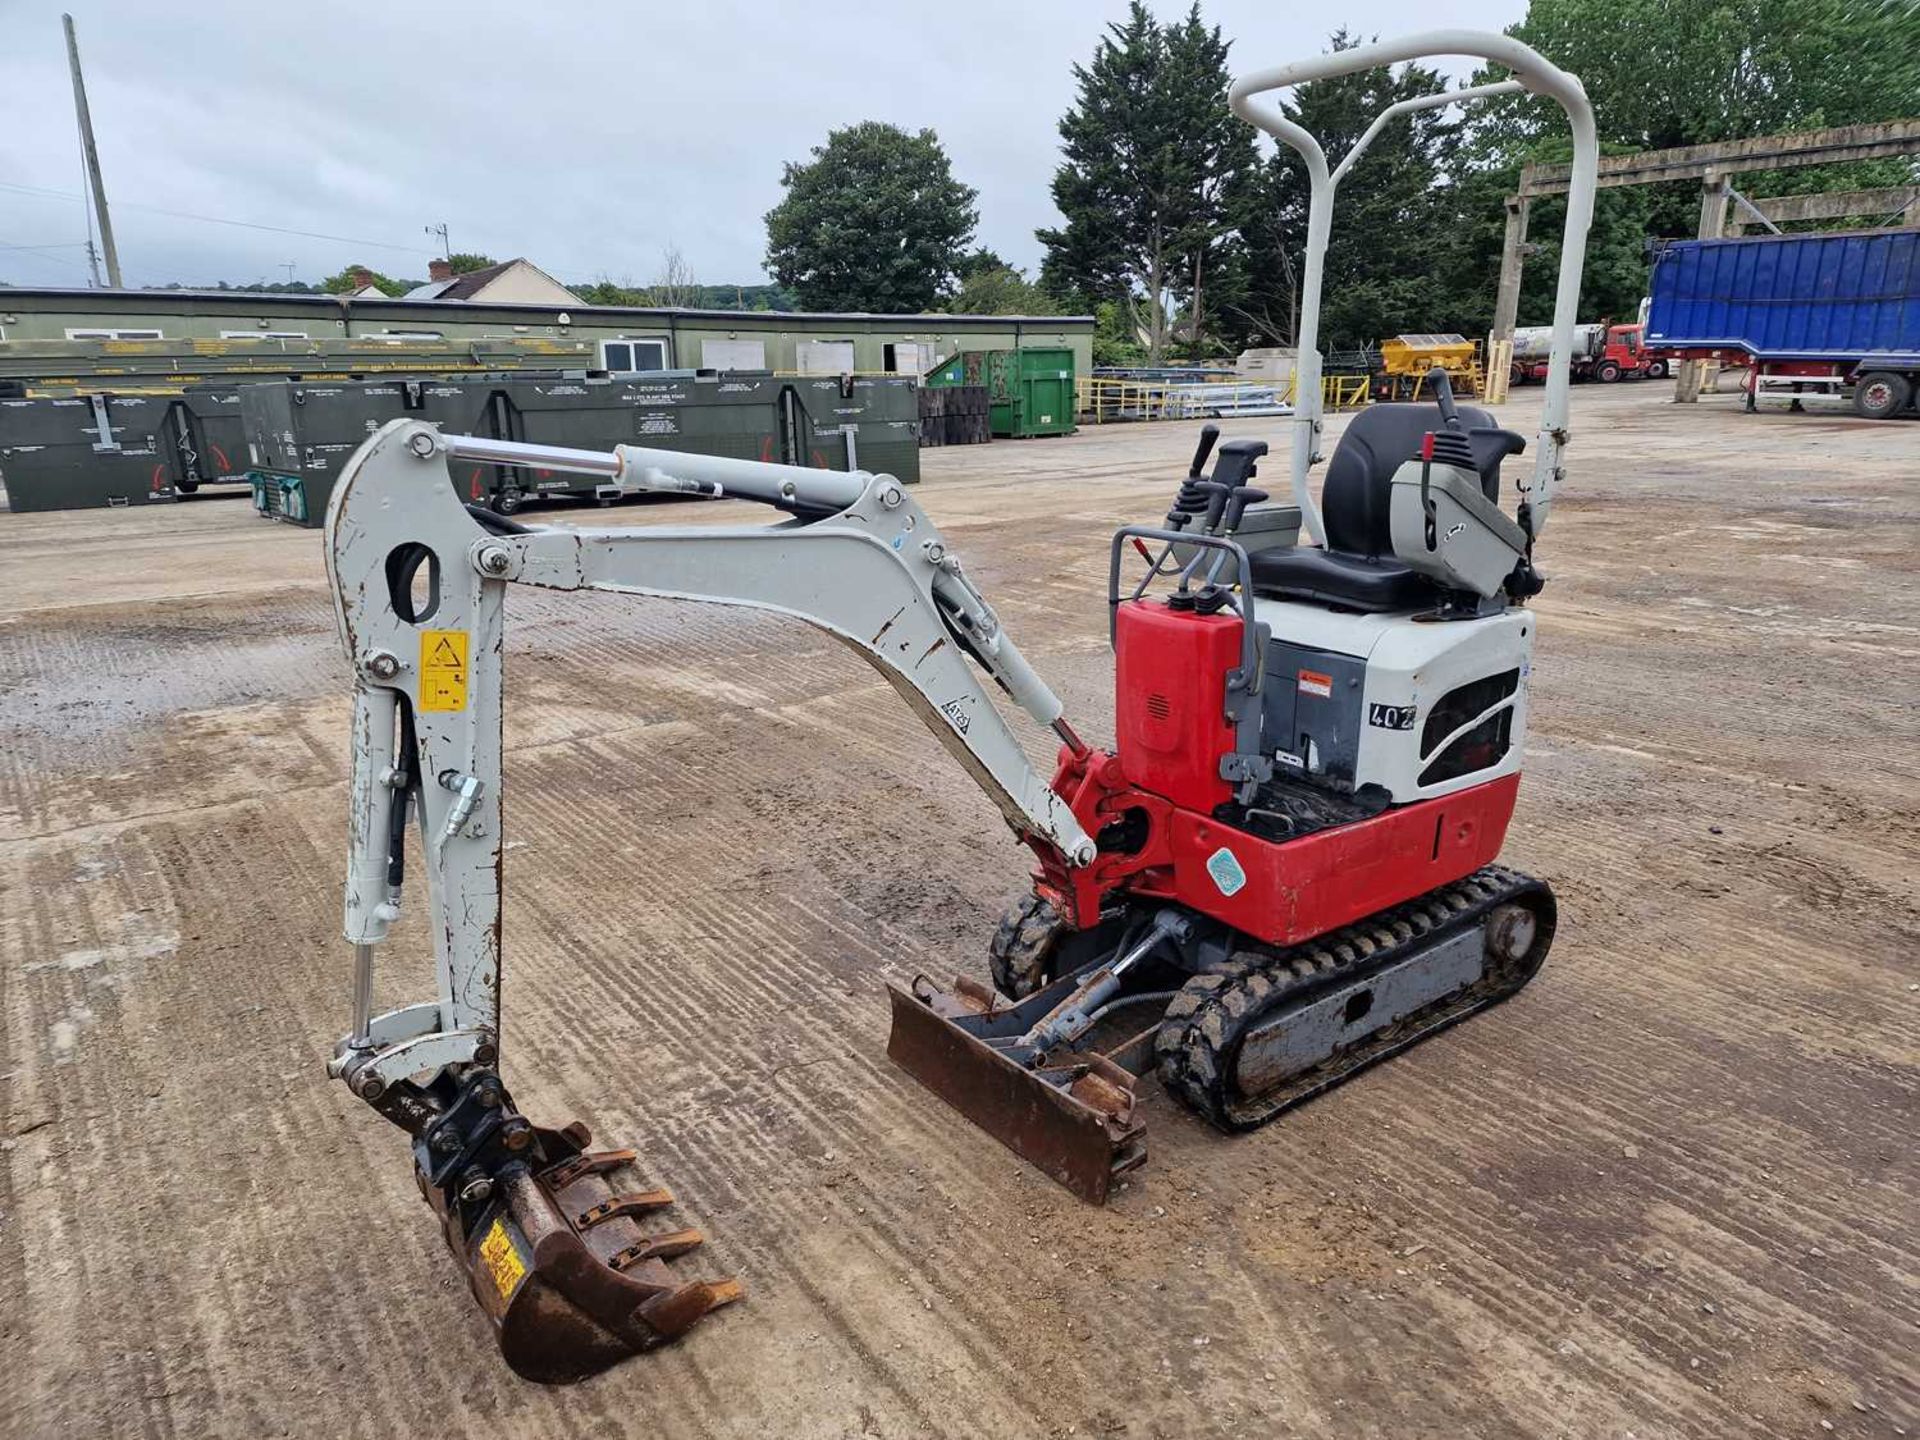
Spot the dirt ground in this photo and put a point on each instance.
(1670, 1190)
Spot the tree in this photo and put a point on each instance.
(605, 291)
(674, 285)
(465, 262)
(354, 276)
(1212, 253)
(979, 262)
(1000, 290)
(1151, 158)
(1393, 217)
(874, 221)
(1662, 73)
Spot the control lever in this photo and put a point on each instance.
(1243, 497)
(1426, 486)
(1219, 492)
(1442, 385)
(1236, 463)
(1208, 434)
(1192, 498)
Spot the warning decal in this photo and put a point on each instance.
(502, 1260)
(1312, 682)
(443, 669)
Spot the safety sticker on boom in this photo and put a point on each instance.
(443, 669)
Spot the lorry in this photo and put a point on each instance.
(1602, 351)
(1833, 314)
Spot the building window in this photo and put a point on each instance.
(399, 335)
(263, 335)
(95, 334)
(624, 357)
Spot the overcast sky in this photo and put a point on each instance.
(585, 137)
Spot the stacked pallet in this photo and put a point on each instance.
(954, 415)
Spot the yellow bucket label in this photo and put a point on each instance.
(443, 669)
(503, 1261)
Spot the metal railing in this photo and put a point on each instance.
(1103, 400)
(1340, 392)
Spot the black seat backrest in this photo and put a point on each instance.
(1359, 486)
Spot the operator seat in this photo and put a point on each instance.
(1358, 569)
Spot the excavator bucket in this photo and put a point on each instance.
(558, 1261)
(1070, 1116)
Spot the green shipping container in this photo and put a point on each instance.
(1029, 391)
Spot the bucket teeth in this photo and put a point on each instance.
(639, 1202)
(591, 1162)
(659, 1247)
(557, 1260)
(673, 1312)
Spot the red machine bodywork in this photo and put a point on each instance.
(1289, 891)
(1153, 807)
(1170, 684)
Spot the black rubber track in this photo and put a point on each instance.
(1198, 1046)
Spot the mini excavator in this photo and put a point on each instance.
(1284, 870)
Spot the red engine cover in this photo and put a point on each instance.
(1170, 677)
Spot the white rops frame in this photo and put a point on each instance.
(1250, 100)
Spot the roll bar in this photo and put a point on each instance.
(1532, 73)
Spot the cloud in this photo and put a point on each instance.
(587, 138)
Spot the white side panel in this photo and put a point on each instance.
(733, 354)
(1416, 666)
(824, 357)
(1411, 665)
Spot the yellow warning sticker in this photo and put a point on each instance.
(443, 669)
(503, 1260)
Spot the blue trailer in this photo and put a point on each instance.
(1832, 313)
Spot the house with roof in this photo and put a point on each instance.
(511, 282)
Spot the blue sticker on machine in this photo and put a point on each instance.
(1226, 871)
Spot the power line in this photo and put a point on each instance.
(69, 245)
(213, 219)
(66, 261)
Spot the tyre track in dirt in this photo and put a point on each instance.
(723, 832)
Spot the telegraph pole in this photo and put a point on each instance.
(92, 157)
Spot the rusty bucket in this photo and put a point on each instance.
(560, 1264)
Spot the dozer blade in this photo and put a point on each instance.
(1072, 1118)
(561, 1267)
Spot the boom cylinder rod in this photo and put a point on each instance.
(751, 479)
(641, 468)
(515, 452)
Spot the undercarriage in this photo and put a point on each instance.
(1238, 1030)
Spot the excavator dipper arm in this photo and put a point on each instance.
(553, 1253)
